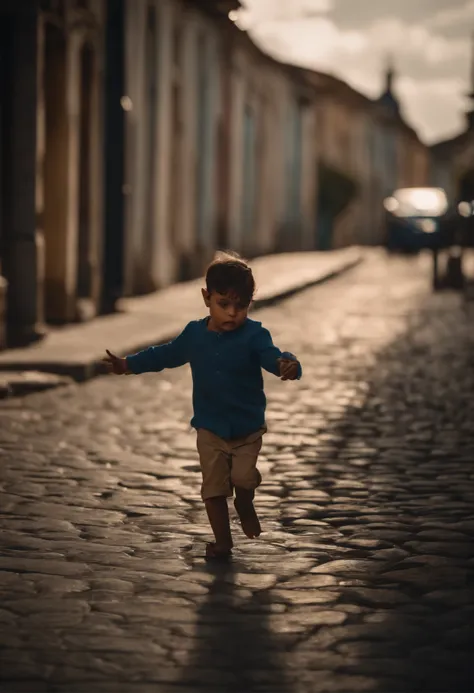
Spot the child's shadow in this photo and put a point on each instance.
(234, 648)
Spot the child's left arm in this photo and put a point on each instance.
(283, 364)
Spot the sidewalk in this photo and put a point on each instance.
(76, 350)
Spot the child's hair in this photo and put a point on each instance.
(229, 273)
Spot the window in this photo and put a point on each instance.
(151, 47)
(177, 42)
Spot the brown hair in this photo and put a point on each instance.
(229, 273)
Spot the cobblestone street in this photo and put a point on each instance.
(363, 577)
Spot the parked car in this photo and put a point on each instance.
(415, 219)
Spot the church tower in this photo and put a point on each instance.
(388, 98)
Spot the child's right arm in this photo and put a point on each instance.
(283, 364)
(154, 359)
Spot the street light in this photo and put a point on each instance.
(126, 103)
(391, 204)
(465, 209)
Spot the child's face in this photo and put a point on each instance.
(226, 310)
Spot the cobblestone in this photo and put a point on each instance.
(362, 579)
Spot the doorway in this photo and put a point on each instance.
(4, 126)
(84, 249)
(57, 304)
(113, 265)
(249, 180)
(6, 83)
(466, 187)
(143, 280)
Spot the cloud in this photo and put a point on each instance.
(453, 16)
(416, 41)
(434, 106)
(433, 67)
(318, 38)
(281, 11)
(316, 42)
(361, 13)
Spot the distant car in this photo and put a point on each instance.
(415, 219)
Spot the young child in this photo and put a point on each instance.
(227, 351)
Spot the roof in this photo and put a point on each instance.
(329, 84)
(326, 83)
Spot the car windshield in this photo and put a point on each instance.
(417, 202)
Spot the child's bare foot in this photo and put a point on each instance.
(243, 504)
(213, 552)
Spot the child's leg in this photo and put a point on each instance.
(245, 478)
(216, 488)
(244, 506)
(218, 514)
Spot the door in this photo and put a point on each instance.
(293, 225)
(249, 183)
(113, 284)
(84, 270)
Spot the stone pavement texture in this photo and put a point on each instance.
(76, 350)
(363, 577)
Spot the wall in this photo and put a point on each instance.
(463, 164)
(22, 256)
(70, 173)
(342, 146)
(272, 172)
(442, 176)
(412, 160)
(309, 183)
(172, 151)
(149, 262)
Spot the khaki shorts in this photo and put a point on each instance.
(228, 463)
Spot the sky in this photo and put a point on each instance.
(430, 42)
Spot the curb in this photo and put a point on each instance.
(81, 372)
(276, 298)
(20, 384)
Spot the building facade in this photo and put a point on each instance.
(22, 257)
(51, 158)
(69, 150)
(142, 135)
(452, 161)
(365, 150)
(219, 144)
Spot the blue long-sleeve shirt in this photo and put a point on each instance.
(228, 394)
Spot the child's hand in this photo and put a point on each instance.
(115, 364)
(288, 369)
